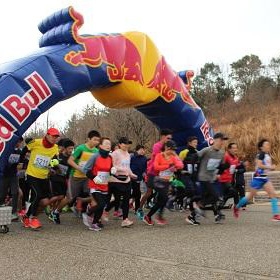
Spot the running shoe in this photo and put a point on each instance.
(25, 221)
(126, 223)
(56, 217)
(117, 214)
(147, 220)
(140, 214)
(161, 221)
(105, 216)
(100, 225)
(276, 218)
(35, 223)
(94, 227)
(87, 220)
(235, 212)
(191, 220)
(21, 213)
(51, 217)
(218, 219)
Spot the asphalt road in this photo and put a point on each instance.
(248, 248)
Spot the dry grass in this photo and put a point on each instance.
(246, 124)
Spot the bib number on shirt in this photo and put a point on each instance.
(166, 173)
(14, 158)
(213, 164)
(232, 169)
(102, 178)
(42, 161)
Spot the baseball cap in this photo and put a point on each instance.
(124, 140)
(53, 132)
(220, 135)
(171, 144)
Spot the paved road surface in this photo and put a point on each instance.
(245, 249)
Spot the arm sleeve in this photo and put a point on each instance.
(90, 163)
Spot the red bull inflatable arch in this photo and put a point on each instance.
(120, 70)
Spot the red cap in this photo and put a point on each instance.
(53, 132)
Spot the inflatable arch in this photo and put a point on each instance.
(120, 70)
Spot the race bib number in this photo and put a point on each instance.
(63, 169)
(42, 161)
(102, 178)
(14, 158)
(213, 164)
(166, 173)
(232, 169)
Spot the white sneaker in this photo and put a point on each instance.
(127, 223)
(87, 220)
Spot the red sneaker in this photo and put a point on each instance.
(35, 223)
(147, 220)
(276, 218)
(117, 214)
(21, 213)
(161, 221)
(105, 216)
(235, 212)
(25, 221)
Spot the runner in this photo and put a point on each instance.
(60, 177)
(210, 165)
(10, 179)
(138, 166)
(226, 178)
(120, 182)
(98, 170)
(78, 189)
(261, 180)
(165, 135)
(42, 152)
(165, 164)
(188, 176)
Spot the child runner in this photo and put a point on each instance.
(138, 166)
(165, 164)
(98, 170)
(59, 180)
(78, 188)
(261, 180)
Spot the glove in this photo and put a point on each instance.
(113, 170)
(54, 162)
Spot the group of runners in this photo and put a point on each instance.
(95, 177)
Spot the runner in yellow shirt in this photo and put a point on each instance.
(42, 152)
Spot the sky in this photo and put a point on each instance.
(188, 33)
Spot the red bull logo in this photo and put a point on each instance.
(122, 58)
(168, 83)
(124, 63)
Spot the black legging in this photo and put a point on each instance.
(229, 192)
(10, 183)
(210, 196)
(136, 193)
(101, 200)
(120, 190)
(162, 189)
